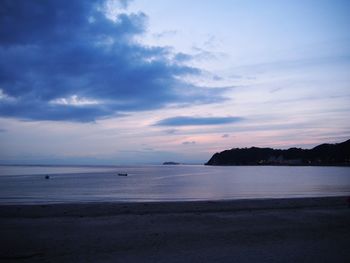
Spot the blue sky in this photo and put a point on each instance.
(120, 82)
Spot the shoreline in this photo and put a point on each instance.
(94, 209)
(268, 230)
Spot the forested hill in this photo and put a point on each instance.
(324, 154)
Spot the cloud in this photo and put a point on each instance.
(182, 57)
(211, 42)
(148, 149)
(166, 33)
(66, 60)
(171, 131)
(203, 54)
(216, 77)
(236, 76)
(189, 142)
(197, 121)
(125, 3)
(275, 90)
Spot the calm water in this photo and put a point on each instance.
(27, 184)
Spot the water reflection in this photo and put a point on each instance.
(164, 183)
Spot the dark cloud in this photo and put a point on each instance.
(65, 60)
(194, 121)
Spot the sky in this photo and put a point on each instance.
(148, 81)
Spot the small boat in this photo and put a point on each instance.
(47, 176)
(122, 174)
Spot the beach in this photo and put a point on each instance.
(265, 230)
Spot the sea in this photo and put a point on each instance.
(148, 183)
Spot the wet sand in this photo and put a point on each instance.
(276, 230)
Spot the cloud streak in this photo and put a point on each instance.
(197, 121)
(66, 61)
(189, 142)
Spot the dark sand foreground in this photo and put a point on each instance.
(278, 230)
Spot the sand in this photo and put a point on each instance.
(276, 230)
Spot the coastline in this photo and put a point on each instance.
(261, 230)
(94, 209)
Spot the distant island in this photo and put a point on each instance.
(171, 163)
(324, 154)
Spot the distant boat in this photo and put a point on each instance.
(47, 177)
(122, 174)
